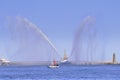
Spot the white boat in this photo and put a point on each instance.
(4, 61)
(63, 61)
(54, 65)
(65, 58)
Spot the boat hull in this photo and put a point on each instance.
(53, 66)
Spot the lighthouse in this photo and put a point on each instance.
(114, 59)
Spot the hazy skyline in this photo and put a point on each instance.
(59, 20)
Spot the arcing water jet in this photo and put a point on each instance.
(29, 43)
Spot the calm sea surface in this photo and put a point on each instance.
(72, 72)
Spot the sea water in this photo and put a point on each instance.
(64, 72)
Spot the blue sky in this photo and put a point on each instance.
(59, 19)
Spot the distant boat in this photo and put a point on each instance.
(4, 61)
(54, 64)
(63, 61)
(65, 58)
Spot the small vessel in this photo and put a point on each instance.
(65, 58)
(54, 65)
(63, 61)
(4, 61)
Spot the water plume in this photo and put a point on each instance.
(29, 43)
(85, 43)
